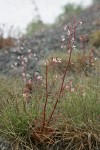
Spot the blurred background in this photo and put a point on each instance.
(37, 25)
(17, 15)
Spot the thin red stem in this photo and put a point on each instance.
(61, 88)
(44, 112)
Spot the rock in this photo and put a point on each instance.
(4, 144)
(41, 44)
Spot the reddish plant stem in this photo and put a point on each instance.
(74, 30)
(61, 89)
(46, 101)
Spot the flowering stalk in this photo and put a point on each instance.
(71, 29)
(61, 89)
(46, 101)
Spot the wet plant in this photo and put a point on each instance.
(52, 110)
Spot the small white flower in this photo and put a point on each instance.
(92, 64)
(30, 80)
(62, 46)
(67, 87)
(68, 32)
(23, 63)
(46, 62)
(84, 94)
(65, 28)
(23, 74)
(28, 75)
(65, 46)
(73, 39)
(56, 76)
(69, 50)
(36, 73)
(80, 22)
(72, 90)
(59, 60)
(24, 95)
(72, 63)
(15, 63)
(39, 77)
(12, 66)
(14, 50)
(25, 59)
(18, 57)
(73, 46)
(54, 60)
(34, 54)
(29, 51)
(63, 39)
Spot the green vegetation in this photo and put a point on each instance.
(35, 26)
(96, 1)
(69, 10)
(61, 108)
(77, 112)
(95, 38)
(80, 63)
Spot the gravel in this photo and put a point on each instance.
(4, 144)
(46, 42)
